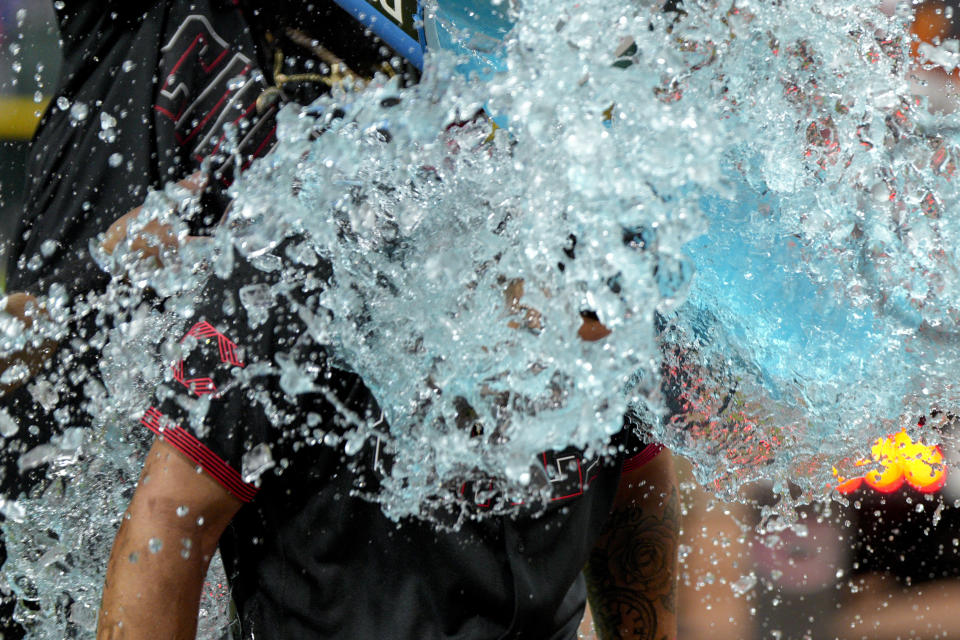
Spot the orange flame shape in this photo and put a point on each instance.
(896, 460)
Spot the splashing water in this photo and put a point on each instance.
(746, 195)
(824, 294)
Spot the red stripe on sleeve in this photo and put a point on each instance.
(648, 453)
(187, 444)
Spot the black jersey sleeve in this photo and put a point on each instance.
(250, 385)
(638, 447)
(198, 411)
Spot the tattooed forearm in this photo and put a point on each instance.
(631, 574)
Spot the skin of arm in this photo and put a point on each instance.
(632, 571)
(24, 307)
(714, 534)
(153, 232)
(883, 610)
(161, 553)
(143, 243)
(148, 243)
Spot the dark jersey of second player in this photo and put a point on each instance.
(145, 92)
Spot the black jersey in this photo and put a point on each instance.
(308, 557)
(146, 91)
(145, 94)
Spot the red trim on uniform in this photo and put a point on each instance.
(202, 329)
(227, 347)
(197, 38)
(197, 129)
(265, 141)
(187, 444)
(165, 112)
(649, 452)
(246, 111)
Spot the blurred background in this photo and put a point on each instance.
(882, 562)
(29, 64)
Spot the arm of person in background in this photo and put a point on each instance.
(148, 242)
(162, 550)
(154, 235)
(632, 571)
(881, 609)
(23, 308)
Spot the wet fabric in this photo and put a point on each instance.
(145, 93)
(308, 556)
(145, 96)
(113, 98)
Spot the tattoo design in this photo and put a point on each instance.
(630, 575)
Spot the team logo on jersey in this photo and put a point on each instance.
(206, 334)
(207, 84)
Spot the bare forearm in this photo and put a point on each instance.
(631, 575)
(161, 553)
(152, 590)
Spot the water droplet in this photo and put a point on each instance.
(743, 584)
(8, 426)
(79, 111)
(236, 82)
(255, 462)
(107, 121)
(155, 545)
(257, 299)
